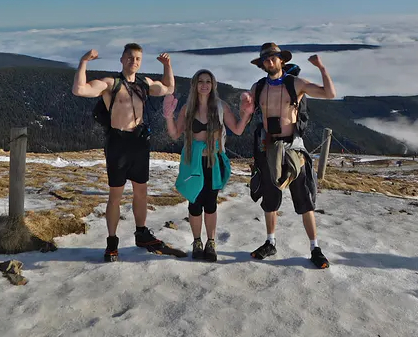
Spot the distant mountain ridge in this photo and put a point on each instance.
(18, 60)
(41, 99)
(303, 48)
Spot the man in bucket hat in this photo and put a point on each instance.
(278, 125)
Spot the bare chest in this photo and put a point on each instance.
(125, 103)
(275, 101)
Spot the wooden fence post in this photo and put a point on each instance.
(18, 143)
(326, 142)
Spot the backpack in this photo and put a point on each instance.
(221, 121)
(100, 112)
(292, 71)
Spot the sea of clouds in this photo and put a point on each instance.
(390, 70)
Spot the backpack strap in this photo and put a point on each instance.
(222, 133)
(289, 82)
(117, 84)
(258, 88)
(141, 81)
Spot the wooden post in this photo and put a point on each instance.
(18, 142)
(326, 142)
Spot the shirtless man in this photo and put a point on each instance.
(127, 142)
(275, 102)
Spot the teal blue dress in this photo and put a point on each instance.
(190, 180)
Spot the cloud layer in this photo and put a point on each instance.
(390, 70)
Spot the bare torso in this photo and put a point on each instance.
(123, 117)
(275, 102)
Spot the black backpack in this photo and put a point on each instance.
(292, 71)
(100, 113)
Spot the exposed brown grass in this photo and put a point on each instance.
(48, 224)
(165, 199)
(73, 202)
(355, 181)
(16, 236)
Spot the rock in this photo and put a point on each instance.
(12, 271)
(11, 267)
(171, 224)
(17, 280)
(48, 247)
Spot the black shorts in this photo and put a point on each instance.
(272, 196)
(208, 197)
(127, 156)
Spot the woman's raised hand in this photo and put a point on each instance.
(169, 105)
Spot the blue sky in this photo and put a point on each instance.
(65, 13)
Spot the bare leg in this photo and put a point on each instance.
(139, 203)
(113, 209)
(271, 219)
(210, 224)
(196, 225)
(310, 224)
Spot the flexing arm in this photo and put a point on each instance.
(166, 86)
(175, 129)
(315, 90)
(81, 88)
(231, 121)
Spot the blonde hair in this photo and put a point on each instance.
(213, 126)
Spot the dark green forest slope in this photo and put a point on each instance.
(41, 99)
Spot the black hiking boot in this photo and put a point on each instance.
(319, 259)
(210, 252)
(147, 239)
(263, 251)
(198, 253)
(111, 253)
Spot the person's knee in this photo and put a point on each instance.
(272, 202)
(304, 206)
(115, 196)
(139, 190)
(269, 206)
(195, 209)
(211, 208)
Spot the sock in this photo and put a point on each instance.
(272, 238)
(141, 229)
(314, 243)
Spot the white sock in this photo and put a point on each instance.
(272, 238)
(314, 243)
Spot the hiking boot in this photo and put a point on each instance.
(146, 238)
(210, 252)
(319, 259)
(198, 253)
(111, 253)
(263, 251)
